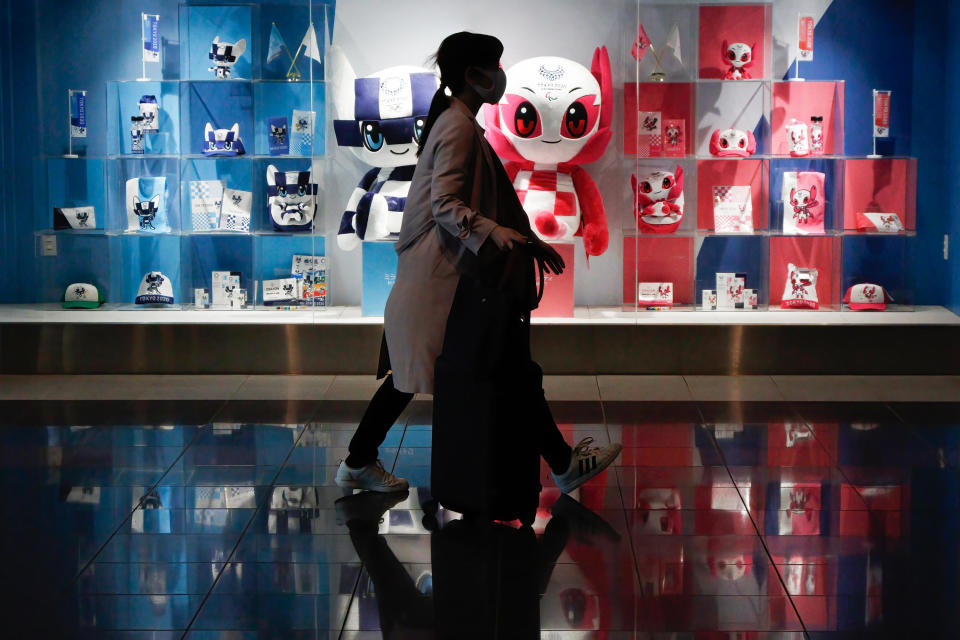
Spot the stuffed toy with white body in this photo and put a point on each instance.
(733, 143)
(381, 120)
(739, 57)
(659, 201)
(291, 199)
(224, 55)
(554, 116)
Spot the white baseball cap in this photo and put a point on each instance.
(864, 297)
(82, 295)
(155, 288)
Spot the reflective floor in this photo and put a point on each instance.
(721, 520)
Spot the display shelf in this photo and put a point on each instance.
(72, 232)
(745, 256)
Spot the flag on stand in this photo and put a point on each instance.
(641, 44)
(673, 42)
(275, 49)
(150, 25)
(309, 44)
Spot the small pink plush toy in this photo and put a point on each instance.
(659, 201)
(740, 58)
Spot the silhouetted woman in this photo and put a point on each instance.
(449, 225)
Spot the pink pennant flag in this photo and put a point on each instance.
(641, 44)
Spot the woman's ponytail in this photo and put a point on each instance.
(438, 105)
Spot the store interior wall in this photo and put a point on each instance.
(867, 43)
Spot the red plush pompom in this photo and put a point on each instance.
(546, 223)
(595, 239)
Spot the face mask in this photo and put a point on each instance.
(491, 94)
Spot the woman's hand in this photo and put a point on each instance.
(506, 238)
(549, 256)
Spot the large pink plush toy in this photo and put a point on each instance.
(554, 116)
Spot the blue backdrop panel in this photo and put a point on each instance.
(73, 182)
(880, 260)
(221, 104)
(732, 254)
(830, 186)
(80, 258)
(140, 254)
(230, 23)
(125, 98)
(203, 254)
(379, 273)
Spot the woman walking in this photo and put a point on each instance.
(450, 229)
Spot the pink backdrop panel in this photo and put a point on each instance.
(557, 301)
(661, 259)
(729, 173)
(733, 23)
(801, 100)
(674, 100)
(887, 185)
(808, 252)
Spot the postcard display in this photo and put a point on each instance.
(212, 181)
(742, 196)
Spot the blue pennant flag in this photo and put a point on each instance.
(275, 50)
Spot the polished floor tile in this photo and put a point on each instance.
(643, 388)
(733, 388)
(722, 517)
(302, 387)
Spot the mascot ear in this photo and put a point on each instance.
(793, 193)
(715, 142)
(600, 68)
(677, 188)
(723, 50)
(208, 132)
(813, 193)
(342, 79)
(239, 47)
(633, 183)
(751, 143)
(271, 176)
(235, 130)
(753, 54)
(155, 200)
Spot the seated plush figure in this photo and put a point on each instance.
(733, 143)
(739, 57)
(224, 55)
(291, 199)
(382, 117)
(659, 201)
(554, 116)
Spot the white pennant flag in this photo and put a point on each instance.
(309, 44)
(673, 42)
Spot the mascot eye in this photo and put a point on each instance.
(372, 136)
(417, 129)
(732, 55)
(744, 57)
(742, 143)
(282, 191)
(575, 121)
(227, 144)
(301, 190)
(666, 184)
(211, 145)
(525, 119)
(724, 143)
(645, 187)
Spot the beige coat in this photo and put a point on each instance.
(454, 186)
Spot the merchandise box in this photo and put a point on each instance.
(201, 255)
(732, 183)
(379, 273)
(884, 261)
(880, 185)
(206, 183)
(658, 259)
(822, 253)
(557, 301)
(279, 99)
(742, 255)
(656, 114)
(801, 101)
(750, 24)
(816, 185)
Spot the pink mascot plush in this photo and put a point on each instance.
(739, 56)
(554, 116)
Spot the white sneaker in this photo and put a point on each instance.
(586, 462)
(372, 477)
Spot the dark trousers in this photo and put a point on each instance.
(388, 403)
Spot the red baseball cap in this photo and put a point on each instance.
(866, 297)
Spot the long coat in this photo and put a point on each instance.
(449, 213)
